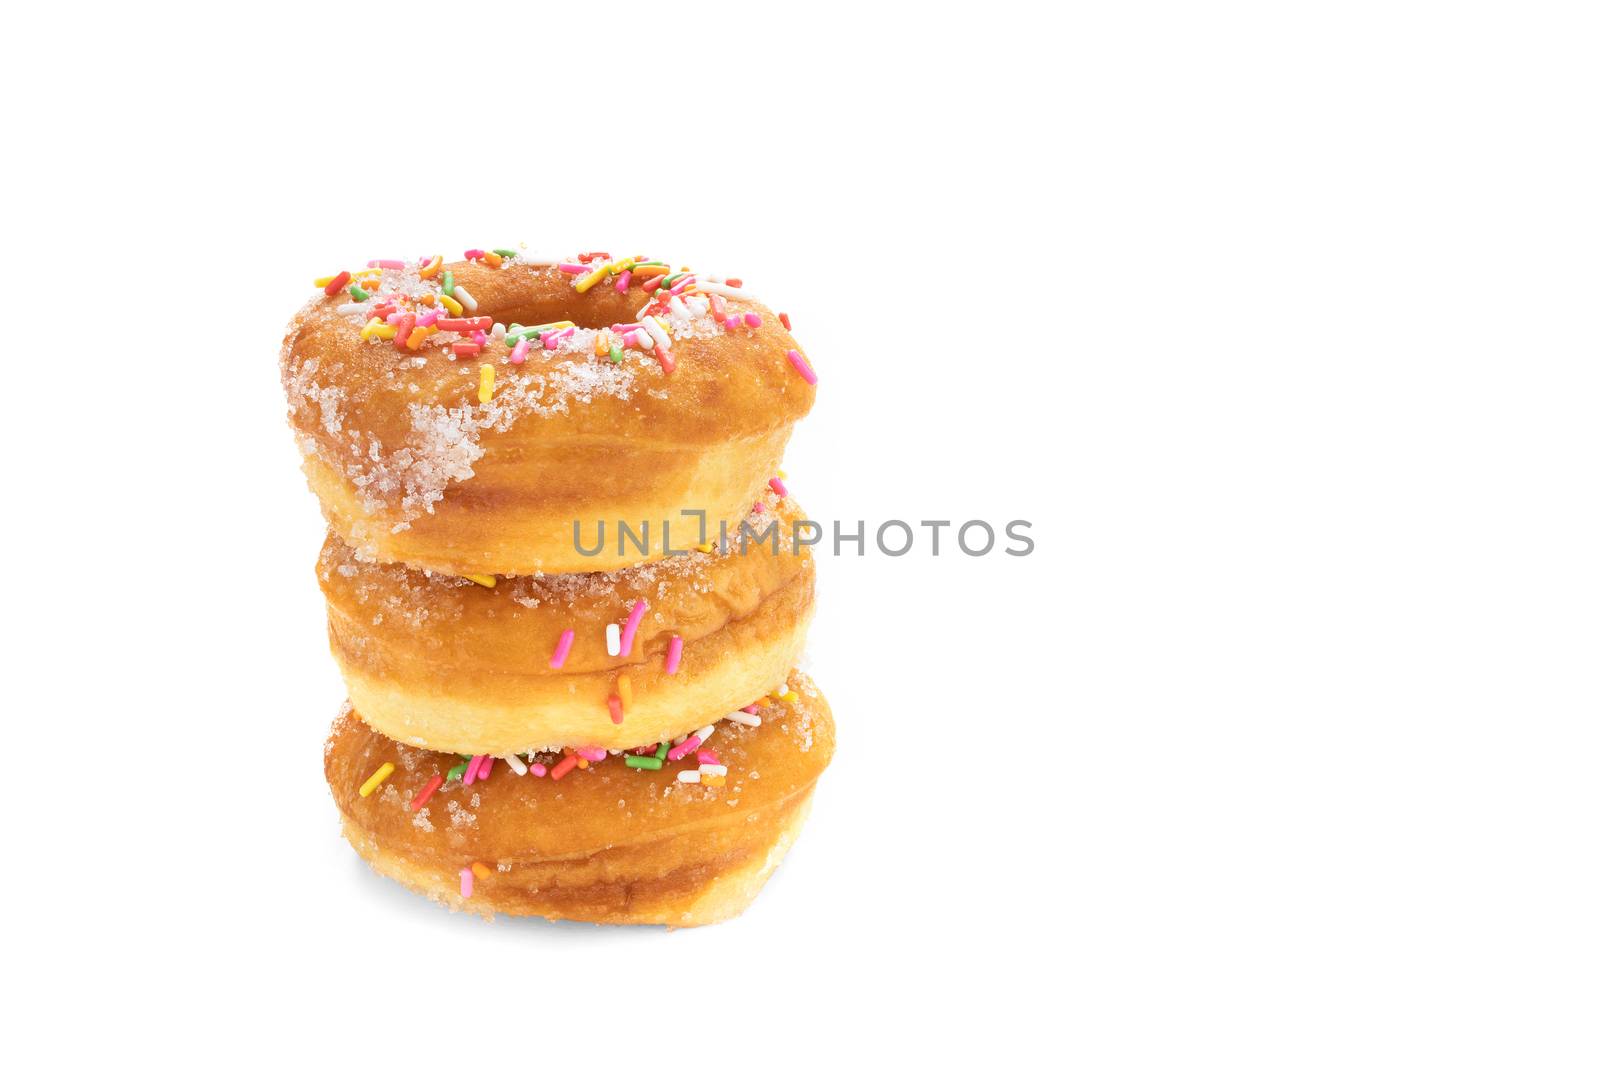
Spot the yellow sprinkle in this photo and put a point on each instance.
(783, 474)
(372, 323)
(377, 779)
(625, 691)
(451, 303)
(485, 580)
(713, 780)
(480, 870)
(790, 697)
(378, 329)
(583, 764)
(434, 266)
(324, 282)
(704, 547)
(485, 383)
(562, 325)
(588, 281)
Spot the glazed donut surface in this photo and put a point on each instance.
(442, 663)
(603, 844)
(411, 466)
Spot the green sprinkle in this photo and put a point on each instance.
(661, 753)
(616, 352)
(449, 284)
(508, 253)
(646, 763)
(358, 294)
(456, 772)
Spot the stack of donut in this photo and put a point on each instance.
(563, 581)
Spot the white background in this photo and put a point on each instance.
(1277, 321)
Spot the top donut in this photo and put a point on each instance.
(504, 414)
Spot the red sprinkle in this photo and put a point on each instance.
(559, 770)
(482, 322)
(668, 365)
(473, 253)
(651, 284)
(590, 257)
(427, 791)
(466, 348)
(338, 283)
(736, 283)
(783, 317)
(403, 330)
(614, 702)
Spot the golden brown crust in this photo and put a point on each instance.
(442, 663)
(603, 844)
(411, 467)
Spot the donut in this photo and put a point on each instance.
(445, 663)
(667, 841)
(502, 415)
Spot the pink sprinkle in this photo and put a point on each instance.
(563, 646)
(429, 319)
(466, 882)
(479, 338)
(537, 770)
(677, 290)
(488, 765)
(550, 340)
(631, 627)
(752, 320)
(684, 749)
(803, 367)
(387, 264)
(472, 770)
(760, 507)
(751, 709)
(674, 653)
(518, 354)
(705, 755)
(574, 268)
(623, 279)
(473, 253)
(778, 486)
(592, 753)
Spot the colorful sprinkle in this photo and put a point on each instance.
(336, 283)
(689, 777)
(802, 365)
(783, 317)
(744, 718)
(614, 706)
(486, 383)
(517, 766)
(485, 580)
(778, 487)
(558, 659)
(646, 763)
(674, 654)
(631, 627)
(481, 870)
(625, 692)
(613, 639)
(559, 771)
(427, 791)
(377, 779)
(466, 882)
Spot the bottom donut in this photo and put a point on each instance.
(683, 835)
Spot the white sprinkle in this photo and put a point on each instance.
(613, 639)
(498, 332)
(515, 764)
(724, 290)
(352, 309)
(783, 688)
(690, 777)
(713, 769)
(744, 718)
(653, 324)
(705, 731)
(464, 298)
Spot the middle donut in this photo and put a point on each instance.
(616, 660)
